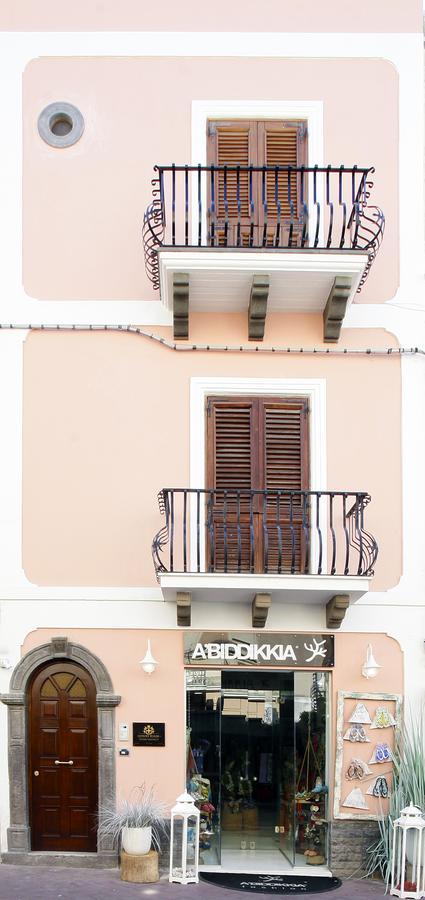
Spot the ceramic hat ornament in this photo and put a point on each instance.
(360, 715)
(381, 754)
(383, 718)
(357, 769)
(379, 788)
(356, 733)
(356, 799)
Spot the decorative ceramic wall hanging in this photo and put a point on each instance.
(383, 718)
(356, 800)
(360, 715)
(379, 788)
(356, 733)
(357, 769)
(381, 754)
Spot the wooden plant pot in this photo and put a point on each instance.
(139, 869)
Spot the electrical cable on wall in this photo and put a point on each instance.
(223, 348)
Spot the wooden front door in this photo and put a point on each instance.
(63, 759)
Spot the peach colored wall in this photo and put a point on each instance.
(160, 697)
(106, 426)
(89, 15)
(350, 654)
(83, 206)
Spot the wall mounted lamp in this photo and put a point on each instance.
(370, 668)
(148, 663)
(5, 662)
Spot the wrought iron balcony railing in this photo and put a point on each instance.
(273, 532)
(261, 207)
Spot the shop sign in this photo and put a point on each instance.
(293, 651)
(148, 734)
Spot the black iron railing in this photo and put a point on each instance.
(275, 532)
(261, 207)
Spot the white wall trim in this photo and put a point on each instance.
(314, 389)
(312, 110)
(202, 110)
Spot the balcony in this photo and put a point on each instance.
(258, 546)
(270, 238)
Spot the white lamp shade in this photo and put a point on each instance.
(148, 662)
(370, 668)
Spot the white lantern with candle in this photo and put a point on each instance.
(184, 841)
(408, 868)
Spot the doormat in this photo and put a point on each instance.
(282, 885)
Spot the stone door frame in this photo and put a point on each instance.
(16, 700)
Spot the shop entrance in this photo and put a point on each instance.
(257, 765)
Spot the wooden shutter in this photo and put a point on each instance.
(257, 143)
(255, 444)
(231, 465)
(283, 144)
(232, 143)
(284, 426)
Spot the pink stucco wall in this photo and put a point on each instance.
(106, 426)
(83, 206)
(305, 15)
(160, 697)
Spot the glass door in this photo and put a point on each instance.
(256, 765)
(257, 769)
(203, 727)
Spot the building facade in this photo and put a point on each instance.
(212, 341)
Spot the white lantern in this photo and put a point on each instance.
(184, 856)
(408, 867)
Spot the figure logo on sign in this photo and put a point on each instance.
(317, 650)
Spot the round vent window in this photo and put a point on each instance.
(60, 124)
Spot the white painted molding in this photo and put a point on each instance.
(311, 110)
(314, 389)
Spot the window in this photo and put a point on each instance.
(245, 206)
(257, 454)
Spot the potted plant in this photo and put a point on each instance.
(139, 821)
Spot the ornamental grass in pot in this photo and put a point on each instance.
(139, 822)
(408, 787)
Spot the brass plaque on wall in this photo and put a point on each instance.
(148, 734)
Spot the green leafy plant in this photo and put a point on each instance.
(408, 787)
(140, 811)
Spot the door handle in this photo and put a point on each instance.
(36, 773)
(69, 762)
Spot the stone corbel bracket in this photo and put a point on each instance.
(335, 309)
(257, 309)
(181, 305)
(336, 609)
(260, 609)
(184, 608)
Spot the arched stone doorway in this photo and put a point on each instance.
(59, 648)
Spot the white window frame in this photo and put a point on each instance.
(314, 389)
(202, 110)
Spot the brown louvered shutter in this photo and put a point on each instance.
(231, 472)
(256, 444)
(232, 144)
(283, 144)
(284, 427)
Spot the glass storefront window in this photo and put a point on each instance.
(256, 763)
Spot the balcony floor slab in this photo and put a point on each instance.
(220, 280)
(232, 588)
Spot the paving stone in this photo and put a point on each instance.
(52, 883)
